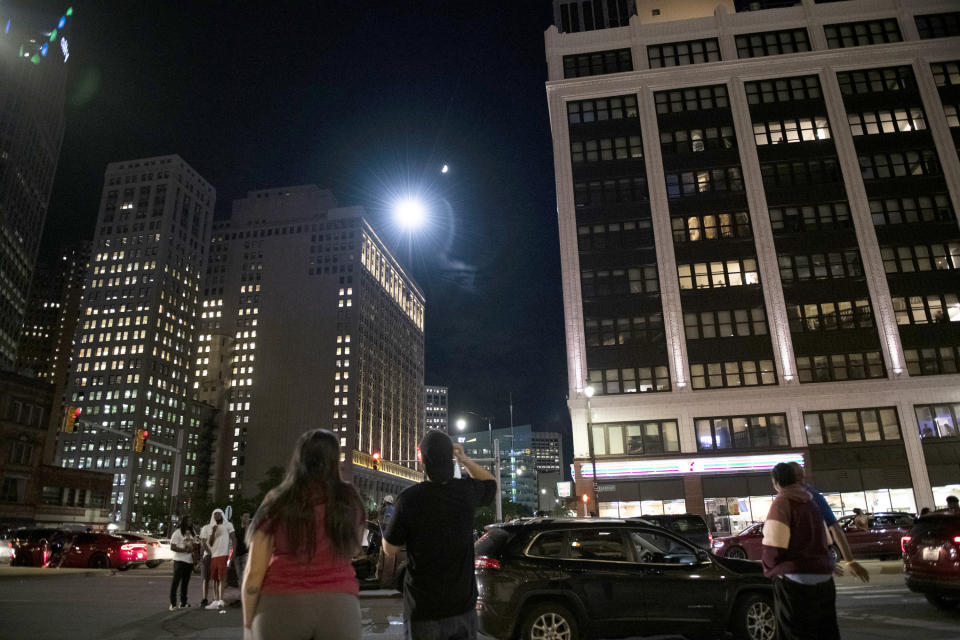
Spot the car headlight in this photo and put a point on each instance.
(718, 543)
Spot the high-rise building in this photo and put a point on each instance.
(131, 377)
(33, 73)
(53, 307)
(547, 451)
(518, 466)
(435, 407)
(760, 250)
(308, 322)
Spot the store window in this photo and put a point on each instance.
(731, 515)
(938, 420)
(851, 425)
(635, 439)
(742, 432)
(871, 501)
(940, 495)
(636, 508)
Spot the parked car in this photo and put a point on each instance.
(880, 540)
(76, 549)
(573, 578)
(688, 525)
(155, 551)
(931, 558)
(746, 545)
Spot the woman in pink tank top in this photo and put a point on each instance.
(299, 580)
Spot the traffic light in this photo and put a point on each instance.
(70, 419)
(585, 497)
(140, 439)
(376, 461)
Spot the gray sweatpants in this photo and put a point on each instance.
(307, 616)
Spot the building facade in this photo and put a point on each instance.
(436, 409)
(34, 491)
(33, 74)
(131, 370)
(518, 461)
(760, 251)
(547, 451)
(308, 322)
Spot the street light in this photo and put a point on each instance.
(461, 424)
(588, 391)
(410, 213)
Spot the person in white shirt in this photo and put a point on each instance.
(182, 543)
(217, 538)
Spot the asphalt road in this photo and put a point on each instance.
(38, 604)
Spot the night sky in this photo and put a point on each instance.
(369, 98)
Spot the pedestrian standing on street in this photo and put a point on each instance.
(795, 556)
(953, 504)
(386, 511)
(182, 543)
(218, 538)
(240, 552)
(829, 519)
(299, 581)
(434, 519)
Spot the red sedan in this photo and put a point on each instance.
(931, 558)
(70, 549)
(745, 545)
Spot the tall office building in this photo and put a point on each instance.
(547, 451)
(518, 462)
(131, 370)
(33, 74)
(46, 340)
(308, 322)
(435, 408)
(760, 250)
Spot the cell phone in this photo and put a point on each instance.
(456, 469)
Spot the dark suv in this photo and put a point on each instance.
(573, 578)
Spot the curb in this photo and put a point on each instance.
(43, 573)
(380, 593)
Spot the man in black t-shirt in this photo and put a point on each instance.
(434, 519)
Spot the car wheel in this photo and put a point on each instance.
(942, 603)
(153, 564)
(98, 562)
(549, 620)
(737, 553)
(753, 618)
(124, 567)
(835, 553)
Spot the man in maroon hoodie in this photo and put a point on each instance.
(795, 556)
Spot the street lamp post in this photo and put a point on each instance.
(588, 392)
(495, 446)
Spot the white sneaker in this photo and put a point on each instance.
(213, 605)
(172, 608)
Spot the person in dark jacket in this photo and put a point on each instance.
(795, 556)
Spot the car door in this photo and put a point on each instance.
(605, 579)
(683, 593)
(857, 538)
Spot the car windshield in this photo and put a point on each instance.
(688, 524)
(751, 528)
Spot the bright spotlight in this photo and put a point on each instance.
(445, 169)
(410, 213)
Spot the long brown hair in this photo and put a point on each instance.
(312, 478)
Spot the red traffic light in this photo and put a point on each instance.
(586, 498)
(376, 455)
(77, 412)
(145, 433)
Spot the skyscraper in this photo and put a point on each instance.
(760, 251)
(33, 77)
(309, 322)
(435, 406)
(132, 375)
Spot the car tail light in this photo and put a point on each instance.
(903, 543)
(710, 538)
(486, 562)
(956, 539)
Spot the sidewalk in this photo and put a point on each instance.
(7, 572)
